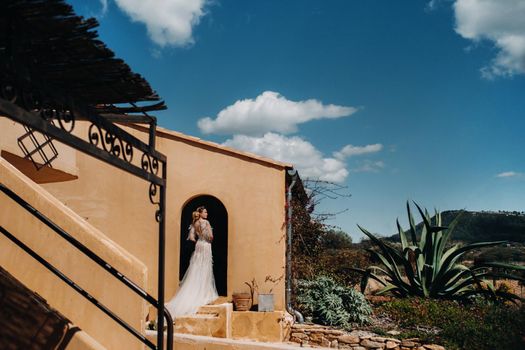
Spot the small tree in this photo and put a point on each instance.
(311, 232)
(319, 248)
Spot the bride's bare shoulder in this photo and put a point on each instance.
(205, 222)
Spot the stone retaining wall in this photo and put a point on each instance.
(321, 336)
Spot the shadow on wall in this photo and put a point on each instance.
(218, 218)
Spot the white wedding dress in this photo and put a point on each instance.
(197, 287)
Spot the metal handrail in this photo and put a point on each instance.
(94, 257)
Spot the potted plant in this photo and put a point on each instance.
(242, 301)
(245, 301)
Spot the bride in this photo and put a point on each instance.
(197, 287)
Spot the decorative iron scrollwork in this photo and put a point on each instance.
(66, 120)
(153, 193)
(154, 198)
(150, 164)
(110, 143)
(65, 117)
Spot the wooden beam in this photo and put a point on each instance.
(123, 118)
(133, 109)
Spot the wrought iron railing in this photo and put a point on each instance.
(98, 260)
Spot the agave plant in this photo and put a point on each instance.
(427, 268)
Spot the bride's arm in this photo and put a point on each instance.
(191, 235)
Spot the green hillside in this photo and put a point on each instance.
(476, 226)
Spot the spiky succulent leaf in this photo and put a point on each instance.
(402, 235)
(412, 225)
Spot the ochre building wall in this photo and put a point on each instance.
(117, 203)
(251, 188)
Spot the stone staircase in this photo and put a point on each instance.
(210, 320)
(219, 321)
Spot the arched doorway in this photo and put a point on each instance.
(218, 217)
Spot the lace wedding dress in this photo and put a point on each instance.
(197, 287)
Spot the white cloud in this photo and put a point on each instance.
(104, 9)
(503, 23)
(302, 154)
(509, 174)
(350, 150)
(156, 53)
(169, 22)
(268, 112)
(432, 5)
(369, 166)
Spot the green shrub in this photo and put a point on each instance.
(329, 303)
(339, 264)
(483, 326)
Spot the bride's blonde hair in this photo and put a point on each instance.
(195, 216)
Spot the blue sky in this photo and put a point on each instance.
(398, 100)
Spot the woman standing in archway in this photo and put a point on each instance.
(197, 287)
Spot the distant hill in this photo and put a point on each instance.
(475, 226)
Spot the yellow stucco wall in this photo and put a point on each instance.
(70, 261)
(261, 326)
(251, 189)
(108, 205)
(253, 193)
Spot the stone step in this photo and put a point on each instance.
(221, 300)
(210, 320)
(213, 309)
(206, 325)
(198, 316)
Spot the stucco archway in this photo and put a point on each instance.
(218, 217)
